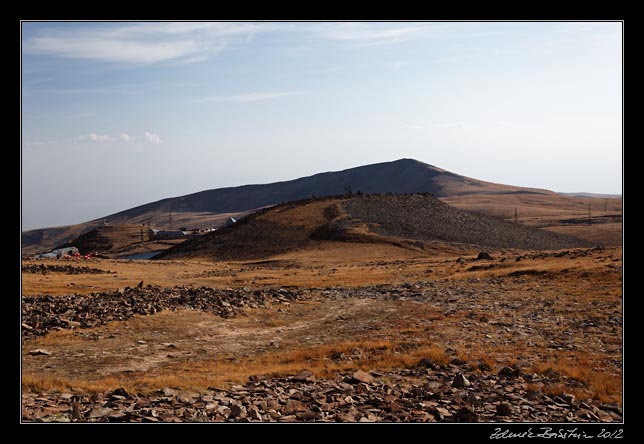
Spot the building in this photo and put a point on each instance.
(60, 252)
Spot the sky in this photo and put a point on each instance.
(119, 114)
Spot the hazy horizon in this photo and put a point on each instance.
(116, 115)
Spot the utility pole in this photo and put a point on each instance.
(588, 212)
(605, 204)
(516, 215)
(170, 220)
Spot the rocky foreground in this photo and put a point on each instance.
(41, 314)
(492, 309)
(64, 269)
(427, 393)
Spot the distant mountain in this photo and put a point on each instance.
(214, 207)
(593, 195)
(401, 176)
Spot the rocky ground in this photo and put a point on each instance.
(41, 314)
(65, 269)
(518, 337)
(423, 217)
(427, 393)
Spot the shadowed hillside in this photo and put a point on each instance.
(426, 218)
(407, 220)
(401, 176)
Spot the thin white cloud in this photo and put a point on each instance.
(122, 137)
(112, 50)
(91, 91)
(143, 43)
(374, 33)
(152, 138)
(42, 142)
(100, 138)
(93, 137)
(249, 97)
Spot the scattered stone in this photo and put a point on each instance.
(551, 375)
(345, 417)
(304, 376)
(426, 392)
(612, 408)
(465, 415)
(41, 314)
(256, 378)
(169, 391)
(460, 381)
(65, 269)
(121, 392)
(484, 256)
(56, 417)
(360, 376)
(503, 409)
(98, 412)
(400, 399)
(568, 398)
(292, 406)
(442, 413)
(509, 373)
(39, 351)
(237, 411)
(483, 367)
(426, 363)
(308, 415)
(473, 400)
(223, 411)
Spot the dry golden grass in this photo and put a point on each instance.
(326, 265)
(323, 360)
(548, 211)
(600, 384)
(211, 351)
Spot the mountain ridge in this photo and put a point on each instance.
(399, 176)
(211, 208)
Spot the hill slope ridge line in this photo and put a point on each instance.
(364, 218)
(424, 217)
(206, 208)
